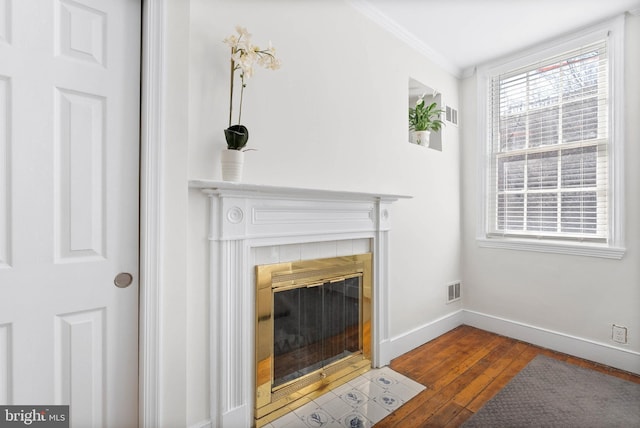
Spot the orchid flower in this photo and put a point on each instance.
(244, 55)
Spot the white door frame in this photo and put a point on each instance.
(151, 215)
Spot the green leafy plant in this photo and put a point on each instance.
(425, 118)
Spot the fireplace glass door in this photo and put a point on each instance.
(314, 326)
(313, 329)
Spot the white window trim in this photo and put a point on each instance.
(615, 248)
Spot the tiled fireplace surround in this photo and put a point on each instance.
(254, 224)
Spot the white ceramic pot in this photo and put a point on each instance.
(421, 138)
(232, 163)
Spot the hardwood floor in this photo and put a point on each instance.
(462, 370)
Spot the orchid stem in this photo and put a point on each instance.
(241, 95)
(233, 70)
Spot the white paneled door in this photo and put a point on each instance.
(69, 153)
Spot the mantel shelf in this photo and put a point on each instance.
(269, 191)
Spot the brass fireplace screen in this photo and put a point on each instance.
(313, 323)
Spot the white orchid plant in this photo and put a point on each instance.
(244, 55)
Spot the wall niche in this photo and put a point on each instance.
(419, 90)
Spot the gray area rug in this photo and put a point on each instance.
(551, 393)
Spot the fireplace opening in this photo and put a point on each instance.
(314, 326)
(312, 329)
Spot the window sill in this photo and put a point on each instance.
(575, 249)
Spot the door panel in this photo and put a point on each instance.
(5, 354)
(5, 172)
(80, 181)
(80, 364)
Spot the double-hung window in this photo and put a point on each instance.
(549, 180)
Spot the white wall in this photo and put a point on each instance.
(579, 297)
(333, 117)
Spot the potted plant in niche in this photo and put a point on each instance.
(422, 120)
(244, 55)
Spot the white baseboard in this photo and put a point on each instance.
(234, 418)
(602, 353)
(412, 339)
(385, 354)
(237, 417)
(623, 359)
(609, 355)
(241, 416)
(202, 424)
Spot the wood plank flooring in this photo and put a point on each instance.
(462, 370)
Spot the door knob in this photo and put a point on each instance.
(123, 280)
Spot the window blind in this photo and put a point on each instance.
(548, 142)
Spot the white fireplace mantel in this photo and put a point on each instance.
(244, 217)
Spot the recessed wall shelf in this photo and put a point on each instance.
(416, 91)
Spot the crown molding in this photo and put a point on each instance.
(384, 21)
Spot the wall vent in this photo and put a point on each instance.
(453, 292)
(451, 115)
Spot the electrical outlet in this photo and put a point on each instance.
(619, 334)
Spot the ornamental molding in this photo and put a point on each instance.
(246, 217)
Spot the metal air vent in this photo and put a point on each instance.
(451, 115)
(453, 292)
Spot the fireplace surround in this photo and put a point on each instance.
(250, 225)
